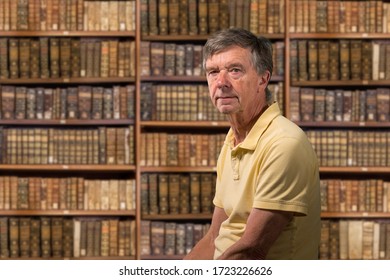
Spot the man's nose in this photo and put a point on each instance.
(223, 79)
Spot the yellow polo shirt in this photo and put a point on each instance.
(274, 168)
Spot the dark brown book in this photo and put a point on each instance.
(170, 239)
(195, 190)
(157, 237)
(203, 14)
(345, 72)
(323, 60)
(163, 17)
(183, 17)
(163, 193)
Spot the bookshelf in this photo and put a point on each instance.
(159, 92)
(66, 191)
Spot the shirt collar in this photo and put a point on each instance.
(257, 130)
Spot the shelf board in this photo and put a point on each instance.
(128, 213)
(195, 38)
(339, 83)
(67, 33)
(203, 124)
(198, 79)
(78, 122)
(178, 217)
(68, 167)
(355, 170)
(339, 35)
(362, 215)
(177, 169)
(162, 257)
(75, 258)
(344, 124)
(84, 80)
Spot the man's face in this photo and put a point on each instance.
(234, 85)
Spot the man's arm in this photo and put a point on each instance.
(262, 229)
(204, 249)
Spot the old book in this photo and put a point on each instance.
(170, 239)
(313, 53)
(319, 104)
(163, 193)
(65, 57)
(34, 59)
(356, 58)
(169, 59)
(367, 60)
(145, 69)
(173, 193)
(24, 58)
(44, 57)
(195, 192)
(152, 12)
(183, 17)
(157, 58)
(307, 104)
(54, 58)
(345, 72)
(206, 183)
(203, 14)
(213, 15)
(163, 17)
(8, 100)
(173, 17)
(145, 240)
(25, 231)
(180, 239)
(193, 17)
(84, 99)
(323, 60)
(20, 102)
(157, 234)
(14, 58)
(4, 70)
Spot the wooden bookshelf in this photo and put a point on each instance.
(141, 126)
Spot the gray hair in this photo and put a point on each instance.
(260, 47)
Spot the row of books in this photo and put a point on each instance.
(171, 59)
(355, 239)
(185, 102)
(338, 16)
(67, 15)
(180, 149)
(342, 105)
(160, 238)
(192, 17)
(177, 193)
(81, 102)
(66, 193)
(323, 60)
(368, 195)
(59, 237)
(101, 145)
(351, 148)
(66, 57)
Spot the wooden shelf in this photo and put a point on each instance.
(339, 35)
(66, 33)
(178, 217)
(344, 124)
(195, 38)
(49, 81)
(74, 258)
(356, 170)
(127, 213)
(190, 79)
(42, 122)
(361, 215)
(177, 169)
(202, 124)
(162, 257)
(68, 167)
(338, 83)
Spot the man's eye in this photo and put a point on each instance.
(235, 70)
(213, 73)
